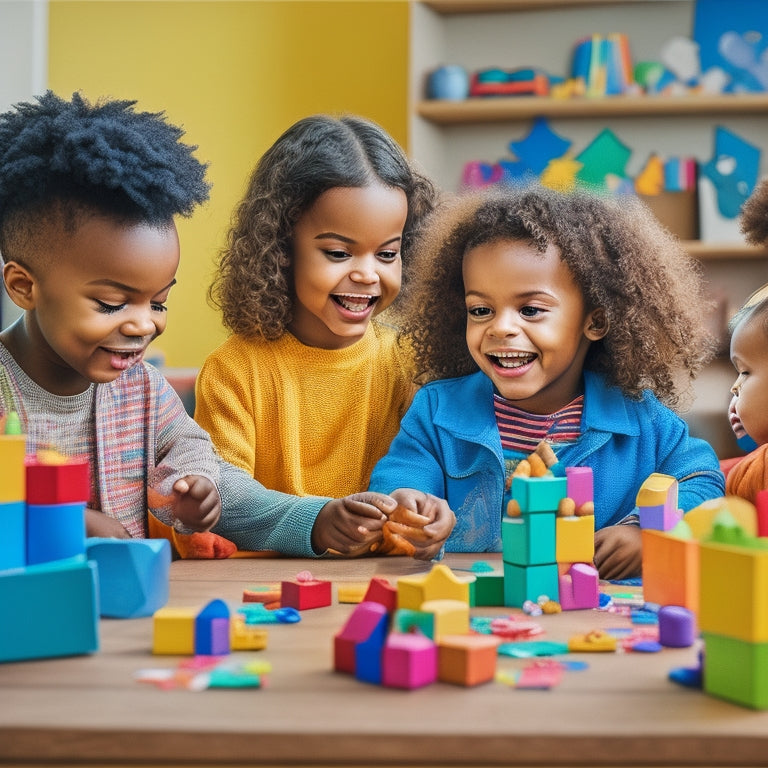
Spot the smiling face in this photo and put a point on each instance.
(527, 325)
(749, 355)
(93, 303)
(346, 263)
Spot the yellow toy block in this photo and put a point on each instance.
(174, 631)
(701, 519)
(246, 637)
(595, 641)
(467, 659)
(449, 617)
(575, 539)
(670, 570)
(734, 591)
(352, 592)
(439, 584)
(12, 471)
(657, 491)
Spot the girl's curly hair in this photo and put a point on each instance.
(61, 157)
(253, 285)
(754, 215)
(620, 256)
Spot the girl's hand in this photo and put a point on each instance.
(434, 509)
(196, 502)
(99, 525)
(618, 552)
(351, 525)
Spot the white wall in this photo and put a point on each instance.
(23, 71)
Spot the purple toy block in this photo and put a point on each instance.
(677, 626)
(579, 588)
(579, 484)
(409, 661)
(659, 518)
(212, 630)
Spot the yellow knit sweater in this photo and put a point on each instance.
(305, 420)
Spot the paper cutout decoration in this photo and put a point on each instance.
(605, 156)
(540, 146)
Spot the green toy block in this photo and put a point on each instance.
(50, 609)
(539, 494)
(408, 620)
(530, 582)
(529, 539)
(736, 670)
(487, 590)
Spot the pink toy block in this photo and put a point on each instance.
(381, 591)
(761, 503)
(57, 483)
(361, 624)
(579, 588)
(579, 485)
(409, 661)
(305, 592)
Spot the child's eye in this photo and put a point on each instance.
(108, 309)
(531, 311)
(479, 311)
(336, 255)
(388, 255)
(156, 307)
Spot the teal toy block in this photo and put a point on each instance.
(530, 582)
(529, 539)
(538, 494)
(736, 670)
(134, 575)
(49, 610)
(408, 620)
(55, 531)
(487, 590)
(13, 542)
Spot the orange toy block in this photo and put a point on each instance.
(670, 570)
(439, 584)
(575, 539)
(467, 659)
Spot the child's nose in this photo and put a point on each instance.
(365, 271)
(140, 323)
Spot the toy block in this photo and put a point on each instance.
(55, 531)
(736, 670)
(523, 583)
(134, 575)
(173, 631)
(262, 593)
(351, 592)
(305, 593)
(13, 485)
(528, 540)
(380, 590)
(408, 661)
(487, 590)
(467, 659)
(595, 641)
(49, 610)
(538, 494)
(761, 504)
(580, 485)
(57, 483)
(701, 519)
(670, 569)
(579, 588)
(575, 539)
(13, 542)
(212, 629)
(440, 583)
(368, 655)
(657, 502)
(449, 617)
(365, 619)
(407, 620)
(244, 636)
(677, 626)
(734, 591)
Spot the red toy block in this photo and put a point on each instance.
(305, 592)
(761, 503)
(57, 483)
(381, 591)
(361, 624)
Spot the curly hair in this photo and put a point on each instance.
(64, 158)
(754, 215)
(253, 284)
(621, 258)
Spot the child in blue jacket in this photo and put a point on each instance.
(566, 317)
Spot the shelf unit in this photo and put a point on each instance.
(478, 34)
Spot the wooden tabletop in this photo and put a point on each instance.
(621, 710)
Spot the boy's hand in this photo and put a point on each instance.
(432, 536)
(99, 525)
(618, 552)
(196, 502)
(351, 525)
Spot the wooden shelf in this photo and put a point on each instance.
(450, 7)
(500, 109)
(724, 251)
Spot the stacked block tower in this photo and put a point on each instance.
(48, 587)
(548, 540)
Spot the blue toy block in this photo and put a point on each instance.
(528, 540)
(134, 575)
(530, 582)
(13, 542)
(55, 531)
(538, 494)
(212, 630)
(368, 654)
(49, 610)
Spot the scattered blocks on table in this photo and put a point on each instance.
(244, 636)
(212, 630)
(677, 626)
(134, 575)
(174, 631)
(408, 661)
(366, 619)
(351, 592)
(305, 593)
(467, 659)
(440, 583)
(575, 539)
(380, 590)
(262, 593)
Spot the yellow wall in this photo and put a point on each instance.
(234, 74)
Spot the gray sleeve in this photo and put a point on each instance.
(256, 518)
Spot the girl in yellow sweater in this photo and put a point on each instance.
(308, 391)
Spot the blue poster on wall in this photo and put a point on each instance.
(735, 41)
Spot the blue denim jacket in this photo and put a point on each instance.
(448, 445)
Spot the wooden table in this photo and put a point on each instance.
(622, 710)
